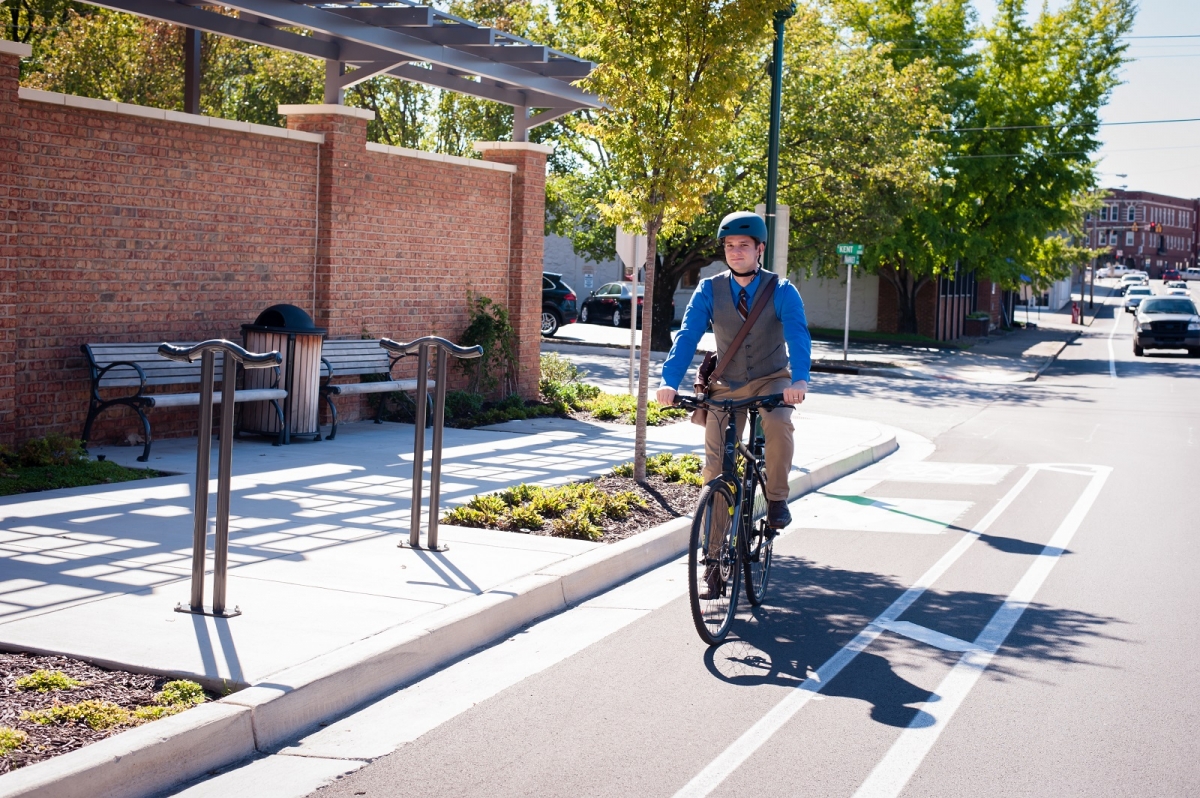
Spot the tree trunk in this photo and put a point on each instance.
(643, 394)
(907, 287)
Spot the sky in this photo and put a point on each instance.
(1161, 81)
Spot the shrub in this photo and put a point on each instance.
(180, 692)
(52, 450)
(557, 369)
(11, 740)
(576, 524)
(525, 518)
(44, 681)
(490, 328)
(462, 404)
(93, 713)
(683, 468)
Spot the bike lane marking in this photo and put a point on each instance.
(898, 765)
(1112, 355)
(753, 738)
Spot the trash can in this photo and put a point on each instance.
(290, 331)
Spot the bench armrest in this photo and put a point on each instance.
(99, 375)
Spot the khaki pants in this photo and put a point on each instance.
(777, 430)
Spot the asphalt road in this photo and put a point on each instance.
(1000, 625)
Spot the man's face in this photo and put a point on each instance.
(742, 253)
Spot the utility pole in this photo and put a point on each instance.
(781, 18)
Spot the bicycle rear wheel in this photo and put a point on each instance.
(758, 539)
(713, 567)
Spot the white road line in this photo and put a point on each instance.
(906, 754)
(753, 738)
(1112, 357)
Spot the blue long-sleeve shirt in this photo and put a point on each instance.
(789, 307)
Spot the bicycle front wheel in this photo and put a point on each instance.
(713, 566)
(758, 539)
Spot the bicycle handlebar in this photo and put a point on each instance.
(767, 402)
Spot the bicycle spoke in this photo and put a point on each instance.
(714, 567)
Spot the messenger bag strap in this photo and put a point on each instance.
(765, 295)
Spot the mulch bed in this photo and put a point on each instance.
(664, 501)
(128, 690)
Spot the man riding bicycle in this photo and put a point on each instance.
(760, 366)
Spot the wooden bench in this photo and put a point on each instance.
(359, 357)
(140, 366)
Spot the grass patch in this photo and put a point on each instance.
(44, 681)
(57, 461)
(11, 740)
(30, 479)
(572, 511)
(683, 468)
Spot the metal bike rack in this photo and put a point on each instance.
(231, 356)
(421, 347)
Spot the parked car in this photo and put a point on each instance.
(1135, 295)
(610, 304)
(558, 303)
(1169, 275)
(1167, 322)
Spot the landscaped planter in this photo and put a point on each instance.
(976, 328)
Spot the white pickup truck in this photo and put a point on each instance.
(1190, 274)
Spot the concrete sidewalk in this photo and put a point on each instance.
(334, 611)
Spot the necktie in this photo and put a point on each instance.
(742, 308)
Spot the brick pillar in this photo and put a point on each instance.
(526, 245)
(343, 177)
(11, 54)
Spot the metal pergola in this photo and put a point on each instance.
(402, 39)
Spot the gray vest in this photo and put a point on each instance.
(762, 352)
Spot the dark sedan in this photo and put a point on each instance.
(558, 303)
(609, 304)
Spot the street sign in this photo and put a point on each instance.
(850, 249)
(850, 260)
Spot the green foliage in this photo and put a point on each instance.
(574, 510)
(1023, 97)
(16, 479)
(461, 404)
(44, 681)
(623, 408)
(560, 384)
(11, 739)
(683, 468)
(490, 328)
(52, 450)
(93, 713)
(181, 692)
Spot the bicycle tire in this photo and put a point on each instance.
(714, 515)
(758, 541)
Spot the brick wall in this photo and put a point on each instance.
(124, 227)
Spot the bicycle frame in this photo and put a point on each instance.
(751, 455)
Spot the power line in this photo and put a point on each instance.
(1063, 124)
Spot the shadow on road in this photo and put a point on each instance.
(813, 611)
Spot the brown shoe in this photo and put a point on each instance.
(714, 584)
(778, 514)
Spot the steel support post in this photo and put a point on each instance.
(435, 473)
(203, 457)
(224, 474)
(414, 535)
(191, 70)
(781, 18)
(846, 332)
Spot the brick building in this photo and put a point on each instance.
(1129, 224)
(126, 223)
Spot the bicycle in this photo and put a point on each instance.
(719, 554)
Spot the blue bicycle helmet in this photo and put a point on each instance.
(743, 223)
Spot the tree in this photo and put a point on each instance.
(1024, 109)
(853, 159)
(671, 73)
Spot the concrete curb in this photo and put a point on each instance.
(151, 759)
(1052, 359)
